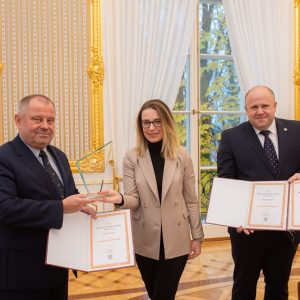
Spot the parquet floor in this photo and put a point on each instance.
(208, 277)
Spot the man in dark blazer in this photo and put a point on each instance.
(241, 156)
(30, 204)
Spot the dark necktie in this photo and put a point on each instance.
(55, 179)
(270, 152)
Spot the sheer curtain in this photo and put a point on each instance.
(261, 38)
(145, 44)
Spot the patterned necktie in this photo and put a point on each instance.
(270, 152)
(55, 179)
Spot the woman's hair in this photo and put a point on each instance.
(170, 142)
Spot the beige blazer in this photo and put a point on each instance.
(178, 214)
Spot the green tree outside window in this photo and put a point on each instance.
(219, 104)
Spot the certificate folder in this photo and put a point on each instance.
(88, 244)
(267, 205)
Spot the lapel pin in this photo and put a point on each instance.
(285, 129)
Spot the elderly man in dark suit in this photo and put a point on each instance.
(264, 148)
(36, 190)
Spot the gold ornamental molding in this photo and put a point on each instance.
(297, 57)
(96, 74)
(96, 70)
(116, 179)
(1, 105)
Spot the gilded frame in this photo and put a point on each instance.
(96, 74)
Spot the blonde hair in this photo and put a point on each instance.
(170, 143)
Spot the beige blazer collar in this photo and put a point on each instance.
(148, 171)
(169, 170)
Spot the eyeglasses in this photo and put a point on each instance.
(147, 124)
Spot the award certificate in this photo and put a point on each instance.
(294, 211)
(88, 244)
(267, 205)
(110, 244)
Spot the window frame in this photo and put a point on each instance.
(195, 113)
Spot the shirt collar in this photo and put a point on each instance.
(272, 128)
(35, 151)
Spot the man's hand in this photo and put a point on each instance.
(75, 203)
(90, 211)
(246, 231)
(295, 177)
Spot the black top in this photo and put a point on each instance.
(158, 163)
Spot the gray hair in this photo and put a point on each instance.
(260, 86)
(23, 103)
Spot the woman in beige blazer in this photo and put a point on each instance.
(159, 184)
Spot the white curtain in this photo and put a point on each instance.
(145, 44)
(261, 38)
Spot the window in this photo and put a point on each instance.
(217, 103)
(182, 108)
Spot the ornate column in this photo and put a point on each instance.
(96, 73)
(95, 162)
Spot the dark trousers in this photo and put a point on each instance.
(161, 277)
(270, 251)
(57, 293)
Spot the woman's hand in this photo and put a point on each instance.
(110, 196)
(195, 249)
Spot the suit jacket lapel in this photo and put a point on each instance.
(253, 141)
(148, 171)
(283, 142)
(169, 171)
(30, 161)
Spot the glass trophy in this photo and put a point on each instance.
(93, 168)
